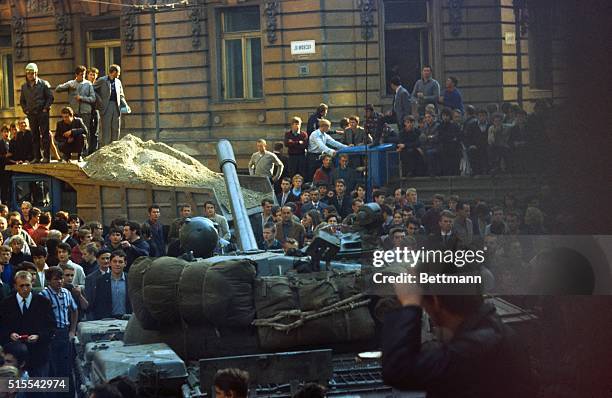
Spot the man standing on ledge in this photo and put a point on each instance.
(426, 90)
(36, 99)
(110, 100)
(262, 162)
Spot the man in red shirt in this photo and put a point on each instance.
(32, 223)
(42, 230)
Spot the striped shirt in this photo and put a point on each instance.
(61, 303)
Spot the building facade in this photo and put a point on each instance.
(226, 69)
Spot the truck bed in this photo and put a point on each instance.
(105, 200)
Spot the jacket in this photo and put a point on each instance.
(5, 158)
(306, 207)
(138, 248)
(102, 86)
(38, 319)
(356, 137)
(34, 99)
(296, 231)
(411, 140)
(436, 242)
(322, 175)
(346, 208)
(483, 359)
(290, 198)
(78, 129)
(313, 123)
(292, 142)
(102, 305)
(348, 174)
(401, 105)
(158, 236)
(85, 89)
(90, 284)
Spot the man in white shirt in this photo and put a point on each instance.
(39, 258)
(63, 255)
(320, 143)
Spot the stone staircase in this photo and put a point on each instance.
(488, 188)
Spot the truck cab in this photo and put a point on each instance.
(43, 191)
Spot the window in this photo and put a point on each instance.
(241, 53)
(37, 192)
(406, 37)
(7, 85)
(103, 48)
(540, 44)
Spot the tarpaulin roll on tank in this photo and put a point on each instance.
(311, 309)
(140, 266)
(166, 291)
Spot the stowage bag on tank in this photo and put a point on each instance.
(342, 327)
(191, 285)
(311, 292)
(136, 276)
(160, 289)
(227, 299)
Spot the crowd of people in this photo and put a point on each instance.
(57, 269)
(434, 132)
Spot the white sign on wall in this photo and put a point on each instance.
(302, 47)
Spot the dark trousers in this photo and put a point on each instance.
(61, 357)
(411, 160)
(76, 146)
(478, 159)
(498, 157)
(451, 154)
(432, 160)
(94, 127)
(41, 138)
(87, 122)
(296, 164)
(313, 164)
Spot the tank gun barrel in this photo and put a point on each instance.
(242, 224)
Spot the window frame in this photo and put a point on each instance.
(421, 26)
(106, 45)
(247, 77)
(6, 94)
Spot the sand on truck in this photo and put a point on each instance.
(131, 159)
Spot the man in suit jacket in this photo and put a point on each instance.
(111, 298)
(103, 261)
(402, 102)
(26, 314)
(342, 201)
(445, 239)
(314, 204)
(285, 195)
(288, 228)
(109, 100)
(258, 220)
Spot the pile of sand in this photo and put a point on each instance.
(133, 160)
